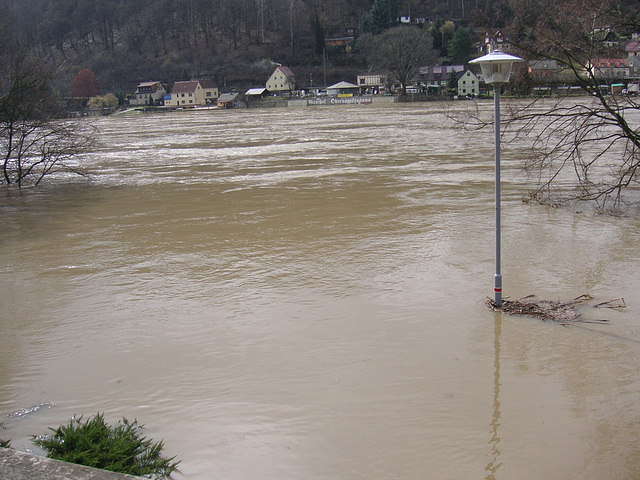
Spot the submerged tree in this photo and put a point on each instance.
(33, 141)
(588, 147)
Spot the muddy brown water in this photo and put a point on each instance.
(299, 294)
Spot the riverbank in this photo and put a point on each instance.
(15, 465)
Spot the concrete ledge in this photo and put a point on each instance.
(16, 465)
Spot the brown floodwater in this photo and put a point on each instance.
(299, 294)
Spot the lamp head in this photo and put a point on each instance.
(496, 66)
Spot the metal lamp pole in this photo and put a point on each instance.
(497, 278)
(496, 70)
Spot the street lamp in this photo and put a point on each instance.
(496, 70)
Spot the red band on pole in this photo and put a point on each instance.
(497, 290)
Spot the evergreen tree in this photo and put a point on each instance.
(437, 35)
(318, 32)
(383, 15)
(460, 47)
(452, 82)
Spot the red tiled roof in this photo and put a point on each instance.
(610, 62)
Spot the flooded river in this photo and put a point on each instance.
(299, 294)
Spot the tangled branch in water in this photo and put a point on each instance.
(560, 312)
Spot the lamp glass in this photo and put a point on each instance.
(496, 66)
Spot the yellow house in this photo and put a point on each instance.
(281, 80)
(192, 93)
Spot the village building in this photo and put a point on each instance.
(335, 41)
(497, 41)
(148, 93)
(192, 93)
(228, 100)
(342, 88)
(634, 67)
(608, 69)
(436, 77)
(281, 80)
(542, 71)
(632, 48)
(468, 84)
(254, 93)
(606, 36)
(372, 83)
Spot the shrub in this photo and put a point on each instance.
(118, 448)
(4, 443)
(103, 101)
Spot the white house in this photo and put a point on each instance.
(148, 93)
(468, 84)
(281, 80)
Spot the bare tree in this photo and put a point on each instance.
(402, 51)
(586, 147)
(33, 141)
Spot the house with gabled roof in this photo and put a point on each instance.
(468, 84)
(281, 80)
(228, 100)
(192, 93)
(632, 48)
(634, 67)
(342, 88)
(544, 70)
(148, 93)
(497, 40)
(256, 93)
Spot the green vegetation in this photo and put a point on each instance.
(4, 443)
(118, 448)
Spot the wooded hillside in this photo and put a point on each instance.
(234, 42)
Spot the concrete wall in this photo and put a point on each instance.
(16, 465)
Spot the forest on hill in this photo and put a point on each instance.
(235, 42)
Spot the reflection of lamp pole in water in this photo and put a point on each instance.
(496, 70)
(493, 466)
